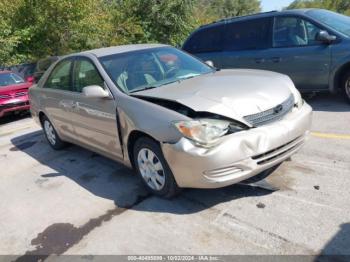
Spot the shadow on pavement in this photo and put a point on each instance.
(327, 102)
(338, 248)
(14, 117)
(110, 180)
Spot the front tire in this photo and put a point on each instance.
(153, 169)
(51, 134)
(346, 86)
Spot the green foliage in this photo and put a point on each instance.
(33, 29)
(207, 11)
(340, 6)
(229, 8)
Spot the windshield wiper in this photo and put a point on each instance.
(143, 89)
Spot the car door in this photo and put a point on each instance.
(298, 54)
(56, 96)
(245, 43)
(94, 118)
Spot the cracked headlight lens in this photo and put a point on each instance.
(203, 131)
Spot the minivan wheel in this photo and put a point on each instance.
(51, 135)
(153, 169)
(346, 86)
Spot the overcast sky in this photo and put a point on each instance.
(269, 5)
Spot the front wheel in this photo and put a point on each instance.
(153, 169)
(51, 135)
(346, 86)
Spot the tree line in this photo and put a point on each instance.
(34, 29)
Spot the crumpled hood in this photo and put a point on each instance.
(230, 93)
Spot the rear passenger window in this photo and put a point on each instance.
(205, 40)
(247, 35)
(85, 74)
(60, 77)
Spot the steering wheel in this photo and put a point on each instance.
(170, 72)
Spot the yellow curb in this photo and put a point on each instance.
(330, 136)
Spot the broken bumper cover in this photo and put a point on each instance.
(238, 156)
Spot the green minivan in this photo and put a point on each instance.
(311, 46)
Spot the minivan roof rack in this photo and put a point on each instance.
(236, 17)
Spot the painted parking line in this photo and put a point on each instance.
(330, 136)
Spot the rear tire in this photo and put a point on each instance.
(346, 86)
(153, 169)
(51, 134)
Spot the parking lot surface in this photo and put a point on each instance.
(77, 202)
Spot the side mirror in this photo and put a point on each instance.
(95, 91)
(30, 79)
(325, 37)
(209, 63)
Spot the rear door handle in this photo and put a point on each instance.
(259, 60)
(276, 59)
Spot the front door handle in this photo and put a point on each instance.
(276, 59)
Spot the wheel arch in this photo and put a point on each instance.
(41, 117)
(132, 138)
(338, 77)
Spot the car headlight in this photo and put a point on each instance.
(203, 131)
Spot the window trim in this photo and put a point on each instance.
(305, 18)
(70, 75)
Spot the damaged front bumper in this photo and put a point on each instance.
(238, 156)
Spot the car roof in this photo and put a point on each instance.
(119, 49)
(259, 15)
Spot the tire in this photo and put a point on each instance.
(153, 169)
(346, 86)
(51, 134)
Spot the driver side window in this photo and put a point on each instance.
(86, 74)
(293, 32)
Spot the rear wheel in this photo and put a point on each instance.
(346, 86)
(51, 134)
(152, 168)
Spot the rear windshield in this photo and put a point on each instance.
(10, 79)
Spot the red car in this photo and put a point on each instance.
(13, 93)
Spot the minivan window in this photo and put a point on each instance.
(85, 74)
(205, 40)
(338, 22)
(294, 31)
(247, 35)
(60, 77)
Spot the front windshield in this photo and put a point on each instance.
(338, 22)
(7, 79)
(152, 68)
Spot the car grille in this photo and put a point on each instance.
(17, 94)
(272, 114)
(5, 96)
(22, 93)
